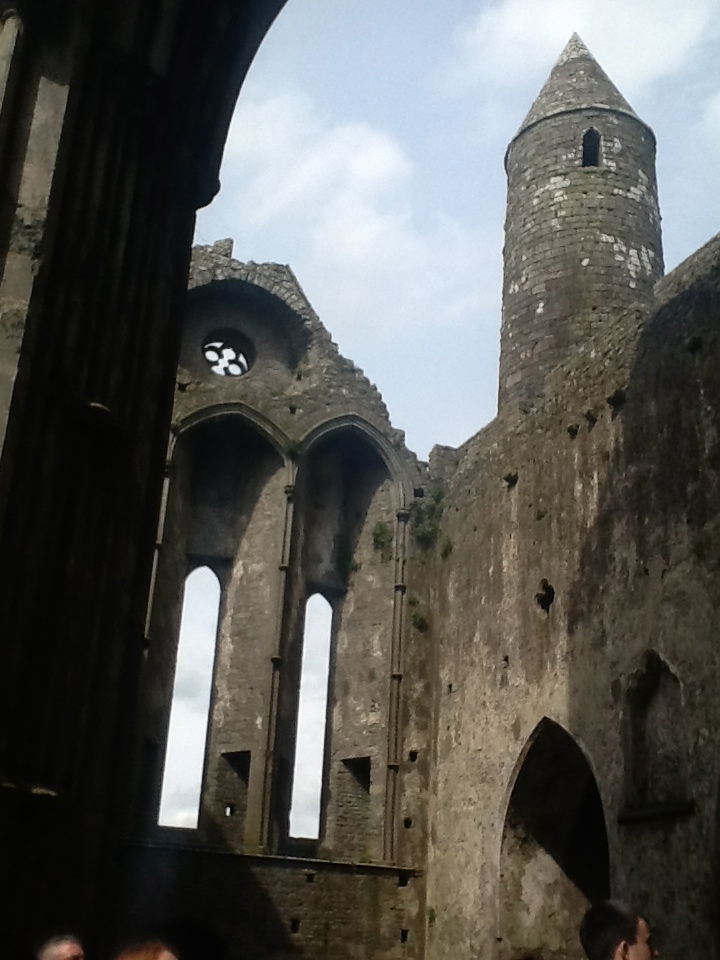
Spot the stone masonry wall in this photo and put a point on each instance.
(271, 908)
(609, 496)
(287, 481)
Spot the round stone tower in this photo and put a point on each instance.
(582, 232)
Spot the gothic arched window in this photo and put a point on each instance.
(311, 720)
(591, 148)
(190, 711)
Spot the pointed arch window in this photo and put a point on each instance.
(312, 720)
(591, 148)
(190, 711)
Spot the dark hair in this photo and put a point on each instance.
(605, 925)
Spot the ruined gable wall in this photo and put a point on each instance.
(312, 383)
(610, 493)
(278, 480)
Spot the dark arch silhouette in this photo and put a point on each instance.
(151, 145)
(555, 811)
(349, 425)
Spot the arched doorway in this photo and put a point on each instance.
(554, 856)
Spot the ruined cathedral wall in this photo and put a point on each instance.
(286, 479)
(698, 267)
(582, 588)
(305, 379)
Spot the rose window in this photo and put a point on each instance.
(224, 358)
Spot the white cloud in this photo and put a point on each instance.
(711, 123)
(339, 200)
(294, 164)
(342, 181)
(636, 41)
(181, 808)
(180, 800)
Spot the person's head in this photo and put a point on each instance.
(613, 931)
(64, 946)
(149, 950)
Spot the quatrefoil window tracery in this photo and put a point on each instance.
(225, 359)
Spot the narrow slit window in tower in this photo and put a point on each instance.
(189, 714)
(311, 721)
(591, 148)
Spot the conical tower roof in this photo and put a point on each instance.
(576, 81)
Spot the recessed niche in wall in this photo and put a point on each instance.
(350, 807)
(228, 353)
(656, 774)
(232, 777)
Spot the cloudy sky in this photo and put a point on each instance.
(367, 153)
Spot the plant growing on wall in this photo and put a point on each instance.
(425, 518)
(382, 537)
(344, 559)
(420, 621)
(292, 449)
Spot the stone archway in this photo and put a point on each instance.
(554, 856)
